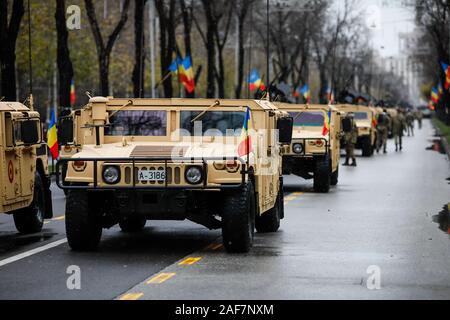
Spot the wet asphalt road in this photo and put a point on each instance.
(385, 213)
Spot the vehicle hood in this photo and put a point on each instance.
(159, 150)
(309, 135)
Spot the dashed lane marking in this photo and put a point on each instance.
(161, 278)
(189, 261)
(131, 296)
(32, 252)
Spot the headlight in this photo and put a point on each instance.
(111, 175)
(297, 148)
(194, 175)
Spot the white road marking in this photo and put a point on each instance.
(32, 252)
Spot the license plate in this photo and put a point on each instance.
(152, 175)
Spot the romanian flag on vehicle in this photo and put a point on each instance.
(326, 125)
(306, 93)
(435, 95)
(73, 95)
(446, 69)
(52, 137)
(245, 145)
(255, 81)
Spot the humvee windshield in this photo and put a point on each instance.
(361, 116)
(138, 123)
(213, 123)
(308, 119)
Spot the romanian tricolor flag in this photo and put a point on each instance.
(374, 121)
(435, 95)
(255, 81)
(330, 95)
(446, 69)
(245, 145)
(185, 71)
(431, 105)
(306, 93)
(73, 95)
(326, 125)
(440, 90)
(52, 137)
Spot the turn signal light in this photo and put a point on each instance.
(79, 166)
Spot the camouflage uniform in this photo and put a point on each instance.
(419, 116)
(410, 124)
(398, 127)
(350, 139)
(383, 128)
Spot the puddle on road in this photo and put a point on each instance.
(437, 146)
(443, 219)
(10, 241)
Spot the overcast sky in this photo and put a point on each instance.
(391, 18)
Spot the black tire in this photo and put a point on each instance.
(83, 228)
(335, 177)
(322, 176)
(270, 221)
(131, 225)
(238, 219)
(31, 219)
(367, 148)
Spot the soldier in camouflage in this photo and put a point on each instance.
(350, 139)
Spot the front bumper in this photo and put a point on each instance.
(96, 182)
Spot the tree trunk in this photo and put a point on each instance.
(65, 68)
(210, 49)
(167, 42)
(8, 39)
(139, 66)
(104, 50)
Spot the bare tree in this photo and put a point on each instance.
(242, 7)
(65, 67)
(139, 44)
(166, 11)
(104, 49)
(434, 16)
(8, 38)
(218, 15)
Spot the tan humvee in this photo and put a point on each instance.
(315, 151)
(133, 160)
(24, 179)
(365, 121)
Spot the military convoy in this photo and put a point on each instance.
(214, 162)
(315, 149)
(365, 121)
(24, 178)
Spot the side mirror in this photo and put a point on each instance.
(65, 130)
(285, 127)
(29, 130)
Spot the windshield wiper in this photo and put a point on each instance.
(217, 103)
(129, 103)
